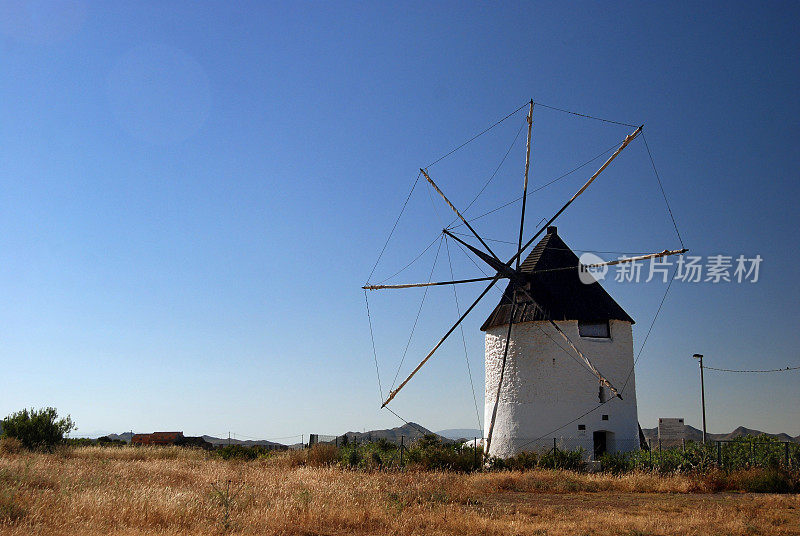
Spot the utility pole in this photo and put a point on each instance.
(702, 394)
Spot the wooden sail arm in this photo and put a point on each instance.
(473, 231)
(664, 253)
(638, 258)
(392, 394)
(413, 285)
(525, 182)
(625, 143)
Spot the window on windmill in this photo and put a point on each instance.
(604, 418)
(594, 329)
(602, 394)
(581, 427)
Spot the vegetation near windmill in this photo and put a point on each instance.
(37, 428)
(740, 453)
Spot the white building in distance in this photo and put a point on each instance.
(547, 388)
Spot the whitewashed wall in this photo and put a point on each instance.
(544, 388)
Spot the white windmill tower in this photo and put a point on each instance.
(544, 384)
(548, 340)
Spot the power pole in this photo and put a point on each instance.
(702, 394)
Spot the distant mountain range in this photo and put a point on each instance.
(460, 433)
(693, 434)
(211, 439)
(412, 431)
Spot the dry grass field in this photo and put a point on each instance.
(94, 490)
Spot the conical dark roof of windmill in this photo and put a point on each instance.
(556, 287)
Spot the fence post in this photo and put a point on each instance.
(683, 443)
(475, 456)
(555, 452)
(650, 449)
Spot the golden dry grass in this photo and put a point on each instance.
(126, 491)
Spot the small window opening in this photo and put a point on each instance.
(598, 330)
(604, 417)
(581, 427)
(602, 394)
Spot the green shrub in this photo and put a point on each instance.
(241, 452)
(429, 452)
(106, 441)
(37, 428)
(572, 460)
(353, 458)
(519, 462)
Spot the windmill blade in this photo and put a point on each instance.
(496, 265)
(525, 186)
(502, 372)
(495, 279)
(664, 253)
(413, 285)
(473, 231)
(625, 143)
(589, 364)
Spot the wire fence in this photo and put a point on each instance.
(596, 451)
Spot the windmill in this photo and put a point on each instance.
(533, 297)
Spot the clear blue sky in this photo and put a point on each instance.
(192, 194)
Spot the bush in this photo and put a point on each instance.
(519, 462)
(241, 452)
(572, 460)
(106, 441)
(771, 480)
(37, 428)
(322, 454)
(429, 452)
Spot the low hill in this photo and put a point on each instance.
(409, 432)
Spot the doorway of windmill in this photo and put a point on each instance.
(602, 443)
